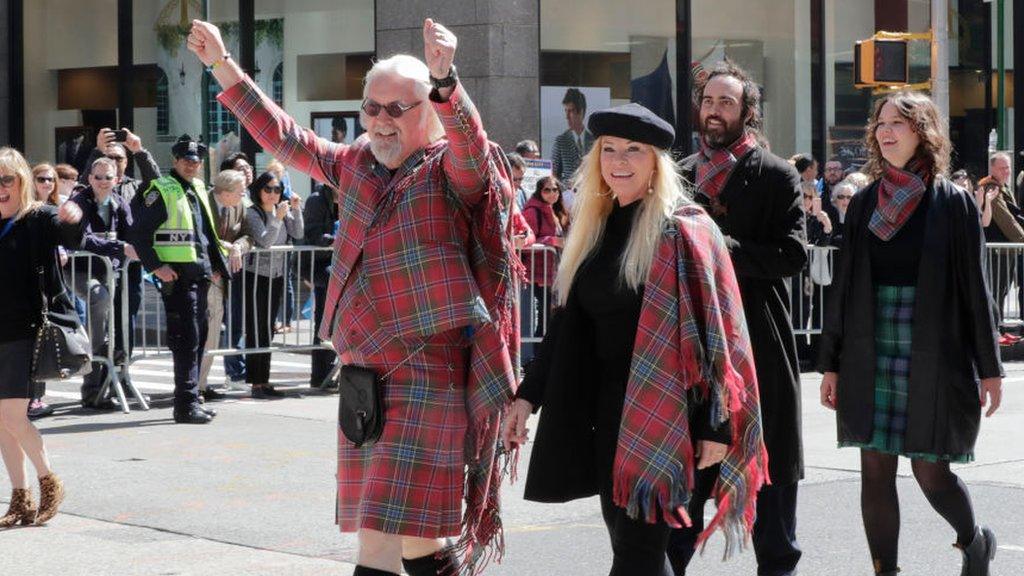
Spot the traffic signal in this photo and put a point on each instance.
(879, 61)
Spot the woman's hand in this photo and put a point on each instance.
(710, 453)
(281, 210)
(828, 389)
(69, 213)
(514, 432)
(991, 394)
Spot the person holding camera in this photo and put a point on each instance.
(175, 237)
(270, 221)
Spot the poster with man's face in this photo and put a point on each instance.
(553, 114)
(340, 128)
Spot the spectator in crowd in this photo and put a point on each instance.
(549, 221)
(107, 220)
(175, 238)
(962, 179)
(24, 224)
(806, 166)
(842, 193)
(283, 321)
(44, 182)
(518, 173)
(270, 221)
(983, 197)
(321, 222)
(570, 146)
(909, 351)
(834, 174)
(859, 179)
(67, 181)
(127, 186)
(1005, 226)
(630, 413)
(528, 149)
(234, 365)
(239, 161)
(807, 296)
(229, 220)
(424, 137)
(1000, 171)
(755, 198)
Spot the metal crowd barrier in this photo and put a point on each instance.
(536, 294)
(298, 262)
(809, 290)
(1004, 275)
(86, 272)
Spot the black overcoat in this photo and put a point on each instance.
(761, 215)
(954, 340)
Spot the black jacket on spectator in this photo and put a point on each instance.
(762, 219)
(128, 187)
(954, 329)
(104, 238)
(816, 234)
(20, 304)
(320, 215)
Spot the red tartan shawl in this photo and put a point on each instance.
(692, 334)
(899, 193)
(715, 164)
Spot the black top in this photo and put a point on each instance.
(895, 262)
(613, 310)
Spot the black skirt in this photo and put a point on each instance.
(15, 369)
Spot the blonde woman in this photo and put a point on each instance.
(24, 224)
(909, 348)
(650, 343)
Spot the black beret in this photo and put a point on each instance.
(633, 122)
(188, 148)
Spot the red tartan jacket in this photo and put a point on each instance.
(415, 254)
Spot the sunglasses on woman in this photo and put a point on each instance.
(394, 109)
(104, 176)
(844, 196)
(8, 180)
(273, 189)
(550, 189)
(45, 179)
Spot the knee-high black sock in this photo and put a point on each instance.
(442, 563)
(948, 496)
(880, 508)
(366, 571)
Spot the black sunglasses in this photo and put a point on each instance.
(273, 189)
(8, 180)
(45, 179)
(844, 196)
(394, 109)
(117, 158)
(105, 177)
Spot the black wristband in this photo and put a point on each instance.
(448, 81)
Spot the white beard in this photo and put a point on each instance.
(386, 153)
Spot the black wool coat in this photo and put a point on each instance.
(761, 215)
(954, 339)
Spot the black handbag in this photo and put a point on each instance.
(360, 405)
(62, 348)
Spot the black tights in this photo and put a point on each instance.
(880, 504)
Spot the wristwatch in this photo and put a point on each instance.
(448, 81)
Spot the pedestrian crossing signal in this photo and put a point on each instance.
(880, 62)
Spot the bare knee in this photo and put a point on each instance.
(419, 547)
(380, 550)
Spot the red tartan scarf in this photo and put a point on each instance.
(491, 383)
(715, 164)
(692, 335)
(899, 193)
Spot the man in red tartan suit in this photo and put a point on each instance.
(420, 292)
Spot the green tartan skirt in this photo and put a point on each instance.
(894, 315)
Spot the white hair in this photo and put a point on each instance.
(410, 68)
(227, 180)
(999, 156)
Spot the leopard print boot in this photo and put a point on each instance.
(51, 494)
(22, 509)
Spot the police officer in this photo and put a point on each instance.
(176, 240)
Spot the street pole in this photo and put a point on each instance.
(940, 57)
(1001, 76)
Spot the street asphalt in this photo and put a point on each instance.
(252, 494)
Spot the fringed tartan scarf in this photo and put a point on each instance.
(715, 164)
(899, 193)
(491, 383)
(692, 334)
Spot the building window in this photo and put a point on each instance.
(278, 84)
(163, 108)
(221, 121)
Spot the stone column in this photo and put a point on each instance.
(498, 55)
(5, 76)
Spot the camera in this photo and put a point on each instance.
(120, 135)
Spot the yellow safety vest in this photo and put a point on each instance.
(174, 240)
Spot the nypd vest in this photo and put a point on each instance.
(174, 240)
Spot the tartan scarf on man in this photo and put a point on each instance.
(899, 193)
(692, 335)
(715, 164)
(491, 382)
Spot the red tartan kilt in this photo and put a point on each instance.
(411, 482)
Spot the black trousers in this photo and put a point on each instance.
(774, 535)
(638, 548)
(263, 301)
(185, 305)
(322, 360)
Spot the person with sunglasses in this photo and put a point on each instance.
(107, 147)
(270, 221)
(175, 237)
(420, 297)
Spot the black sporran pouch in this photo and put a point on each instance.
(360, 405)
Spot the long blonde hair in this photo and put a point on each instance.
(12, 161)
(594, 203)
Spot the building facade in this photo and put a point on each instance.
(69, 67)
